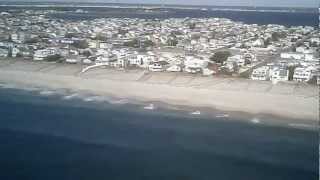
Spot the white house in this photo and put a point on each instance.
(156, 67)
(302, 49)
(279, 74)
(93, 44)
(174, 68)
(15, 51)
(134, 61)
(43, 53)
(145, 60)
(4, 52)
(194, 65)
(261, 73)
(102, 59)
(309, 57)
(207, 72)
(292, 55)
(105, 45)
(72, 60)
(303, 74)
(15, 38)
(258, 43)
(237, 60)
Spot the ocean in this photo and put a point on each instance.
(52, 135)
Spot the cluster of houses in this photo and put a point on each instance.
(174, 45)
(277, 73)
(303, 63)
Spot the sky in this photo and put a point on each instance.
(269, 3)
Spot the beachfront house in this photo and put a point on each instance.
(4, 52)
(258, 43)
(133, 60)
(156, 67)
(174, 68)
(145, 60)
(302, 74)
(14, 52)
(279, 74)
(237, 60)
(292, 55)
(39, 55)
(194, 64)
(261, 73)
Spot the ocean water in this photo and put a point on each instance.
(55, 135)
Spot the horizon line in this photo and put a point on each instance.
(171, 4)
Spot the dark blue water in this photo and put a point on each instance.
(249, 17)
(50, 138)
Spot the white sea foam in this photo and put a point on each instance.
(149, 107)
(94, 98)
(195, 113)
(255, 121)
(301, 125)
(30, 89)
(8, 86)
(222, 115)
(71, 96)
(88, 99)
(121, 101)
(47, 93)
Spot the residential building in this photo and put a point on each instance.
(194, 65)
(292, 55)
(4, 52)
(43, 53)
(302, 74)
(279, 74)
(261, 73)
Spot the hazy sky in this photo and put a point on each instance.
(288, 3)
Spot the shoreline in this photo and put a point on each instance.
(207, 113)
(299, 108)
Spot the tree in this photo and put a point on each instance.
(267, 42)
(100, 37)
(314, 44)
(172, 42)
(10, 53)
(147, 43)
(220, 57)
(313, 80)
(87, 53)
(247, 61)
(53, 58)
(235, 67)
(276, 36)
(32, 41)
(192, 25)
(81, 44)
(132, 43)
(123, 31)
(70, 35)
(291, 72)
(19, 55)
(213, 34)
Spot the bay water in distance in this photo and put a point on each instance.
(249, 15)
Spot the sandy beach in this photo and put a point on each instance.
(289, 100)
